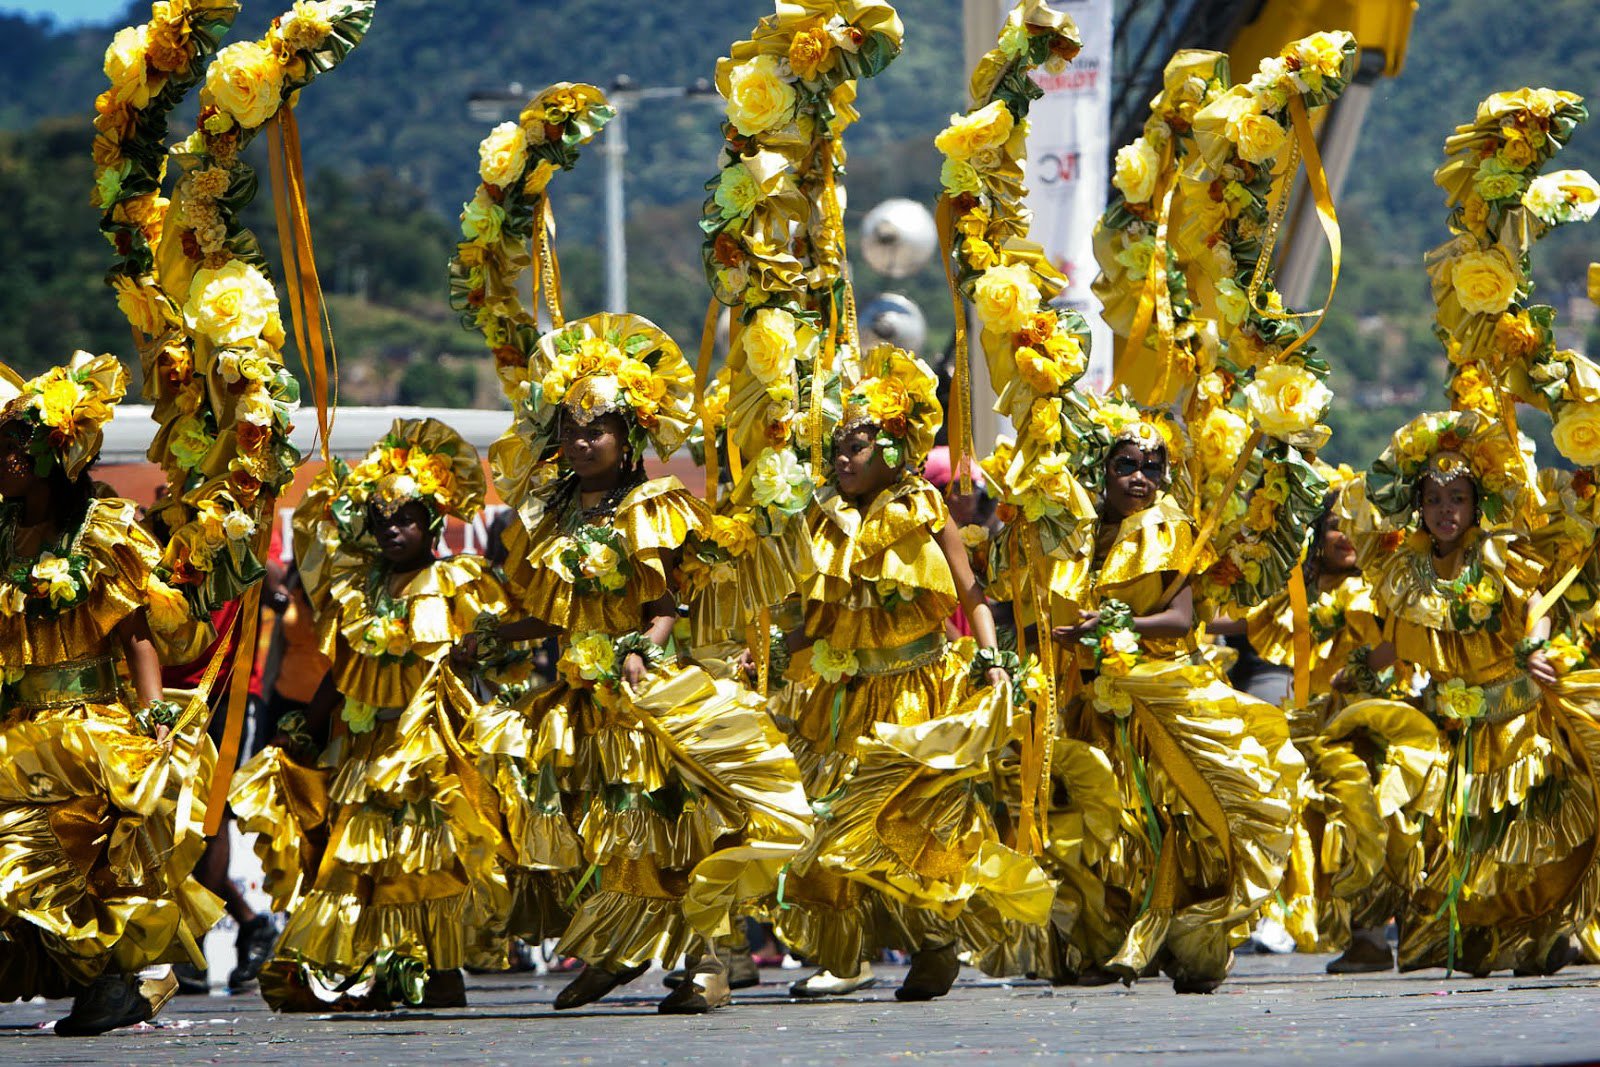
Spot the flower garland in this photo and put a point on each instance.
(508, 225)
(191, 279)
(1035, 354)
(595, 560)
(1500, 204)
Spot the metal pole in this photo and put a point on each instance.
(616, 153)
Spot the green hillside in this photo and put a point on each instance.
(391, 150)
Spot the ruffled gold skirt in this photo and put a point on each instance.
(100, 828)
(411, 878)
(685, 800)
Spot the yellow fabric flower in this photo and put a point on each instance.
(1484, 282)
(770, 345)
(591, 657)
(165, 607)
(1457, 700)
(359, 716)
(482, 219)
(1286, 399)
(245, 81)
(1110, 698)
(127, 69)
(52, 575)
(832, 664)
(539, 178)
(1577, 432)
(1322, 52)
(1564, 196)
(307, 25)
(780, 479)
(738, 192)
(1259, 137)
(811, 50)
(967, 135)
(1044, 421)
(1564, 654)
(1219, 438)
(230, 304)
(733, 534)
(759, 99)
(502, 155)
(1007, 297)
(1137, 167)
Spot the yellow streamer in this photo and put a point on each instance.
(1209, 527)
(1300, 608)
(552, 266)
(962, 443)
(702, 377)
(1317, 178)
(1155, 302)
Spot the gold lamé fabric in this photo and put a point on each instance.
(1270, 629)
(99, 826)
(390, 847)
(675, 805)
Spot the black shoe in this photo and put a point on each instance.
(1363, 957)
(192, 981)
(593, 983)
(444, 989)
(110, 1002)
(933, 971)
(255, 943)
(1563, 953)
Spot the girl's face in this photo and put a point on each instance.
(1338, 551)
(16, 462)
(404, 537)
(1133, 479)
(859, 467)
(1449, 509)
(596, 450)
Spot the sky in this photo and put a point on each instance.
(67, 12)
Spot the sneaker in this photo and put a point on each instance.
(110, 1002)
(256, 941)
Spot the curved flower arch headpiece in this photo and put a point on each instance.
(1450, 444)
(67, 408)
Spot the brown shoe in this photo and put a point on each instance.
(593, 983)
(1365, 955)
(933, 972)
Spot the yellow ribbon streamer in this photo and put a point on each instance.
(702, 377)
(1155, 303)
(1300, 609)
(962, 443)
(1209, 527)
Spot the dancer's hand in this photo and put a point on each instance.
(999, 678)
(1542, 671)
(164, 738)
(634, 670)
(1342, 682)
(1069, 636)
(746, 664)
(464, 654)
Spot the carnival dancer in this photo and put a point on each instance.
(669, 792)
(375, 825)
(1506, 870)
(1207, 773)
(97, 832)
(895, 727)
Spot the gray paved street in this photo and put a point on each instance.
(1278, 1010)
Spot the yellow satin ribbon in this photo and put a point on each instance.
(1542, 606)
(1038, 742)
(550, 266)
(702, 377)
(1155, 303)
(308, 310)
(1300, 609)
(830, 209)
(962, 443)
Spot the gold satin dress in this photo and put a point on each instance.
(1207, 778)
(897, 751)
(411, 877)
(99, 825)
(1506, 858)
(675, 805)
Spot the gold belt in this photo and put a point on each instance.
(1502, 700)
(66, 685)
(872, 662)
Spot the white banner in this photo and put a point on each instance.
(1069, 169)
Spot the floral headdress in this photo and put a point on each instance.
(419, 461)
(1446, 445)
(1116, 420)
(899, 395)
(67, 409)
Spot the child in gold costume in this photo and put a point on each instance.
(894, 727)
(1506, 867)
(668, 792)
(376, 826)
(96, 840)
(1206, 774)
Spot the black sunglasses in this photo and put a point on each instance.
(1154, 468)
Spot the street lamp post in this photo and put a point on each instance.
(623, 96)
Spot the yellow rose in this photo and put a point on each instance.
(1479, 612)
(306, 26)
(758, 97)
(1562, 197)
(1259, 137)
(127, 69)
(359, 716)
(143, 304)
(52, 574)
(502, 155)
(1456, 699)
(1484, 282)
(1220, 438)
(733, 534)
(164, 607)
(832, 664)
(770, 346)
(780, 480)
(1007, 297)
(1577, 433)
(1044, 422)
(987, 128)
(1111, 698)
(1136, 169)
(1564, 654)
(591, 657)
(245, 81)
(974, 537)
(1232, 301)
(539, 177)
(482, 219)
(811, 51)
(598, 560)
(1322, 52)
(230, 304)
(1285, 399)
